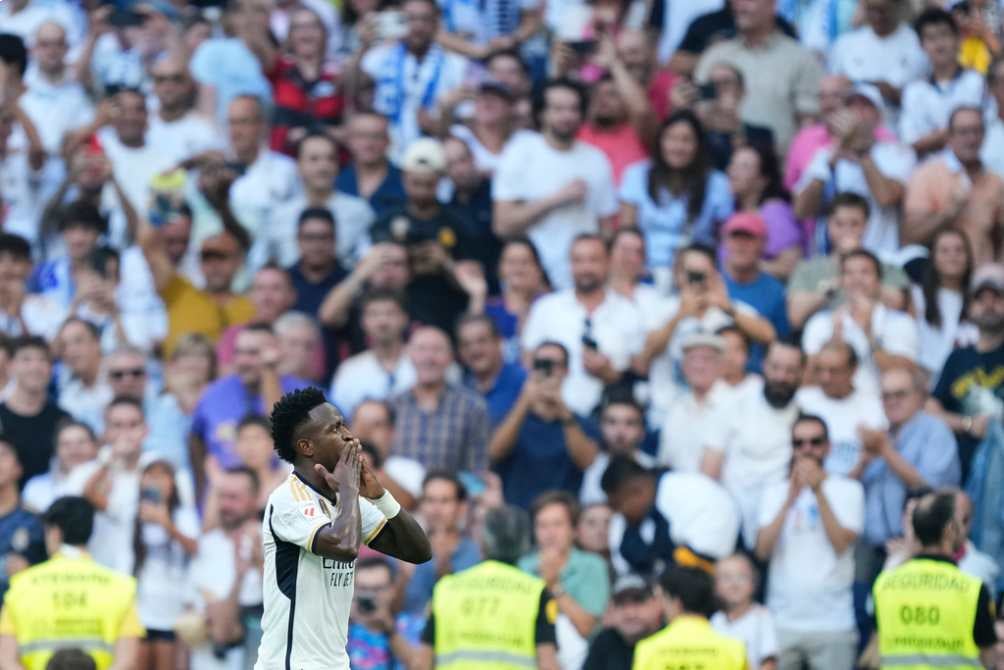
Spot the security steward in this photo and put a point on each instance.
(929, 613)
(493, 616)
(69, 601)
(689, 642)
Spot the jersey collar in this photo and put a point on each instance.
(314, 488)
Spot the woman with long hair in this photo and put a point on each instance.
(675, 197)
(941, 298)
(165, 537)
(523, 279)
(755, 178)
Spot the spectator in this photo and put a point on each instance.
(165, 536)
(700, 406)
(553, 187)
(225, 575)
(689, 518)
(472, 202)
(28, 416)
(955, 189)
(635, 613)
(492, 127)
(815, 284)
(374, 640)
(109, 627)
(622, 429)
(443, 507)
(254, 385)
(383, 369)
(859, 163)
(317, 165)
(928, 103)
(20, 312)
(578, 581)
(522, 280)
(271, 294)
(636, 49)
(176, 127)
(842, 404)
(918, 451)
(755, 180)
(993, 141)
(676, 196)
(487, 373)
(83, 388)
(76, 444)
(593, 531)
(371, 175)
(833, 91)
(407, 102)
(881, 337)
(735, 359)
(967, 393)
(940, 299)
(454, 422)
(541, 444)
(599, 329)
(752, 449)
(254, 447)
(736, 580)
(80, 226)
(373, 424)
(300, 346)
(884, 52)
(627, 268)
(808, 526)
(782, 77)
(127, 375)
(21, 538)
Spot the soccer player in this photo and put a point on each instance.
(312, 528)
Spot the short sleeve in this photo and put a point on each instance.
(911, 119)
(767, 644)
(770, 505)
(508, 183)
(818, 168)
(373, 520)
(605, 197)
(533, 329)
(296, 521)
(131, 626)
(597, 596)
(547, 614)
(633, 189)
(984, 633)
(817, 332)
(895, 161)
(901, 337)
(848, 505)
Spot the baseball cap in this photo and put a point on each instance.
(631, 588)
(750, 223)
(701, 338)
(869, 92)
(990, 275)
(424, 155)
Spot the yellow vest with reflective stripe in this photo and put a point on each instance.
(68, 602)
(486, 618)
(926, 610)
(689, 643)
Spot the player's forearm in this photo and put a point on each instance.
(340, 539)
(404, 539)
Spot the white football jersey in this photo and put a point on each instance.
(306, 597)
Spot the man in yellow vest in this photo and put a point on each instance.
(69, 601)
(689, 642)
(930, 613)
(493, 616)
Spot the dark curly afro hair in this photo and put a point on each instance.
(290, 412)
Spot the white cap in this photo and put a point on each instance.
(424, 155)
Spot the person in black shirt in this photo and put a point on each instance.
(635, 613)
(28, 418)
(22, 542)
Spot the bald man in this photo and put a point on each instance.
(176, 126)
(439, 423)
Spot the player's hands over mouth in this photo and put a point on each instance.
(344, 480)
(369, 486)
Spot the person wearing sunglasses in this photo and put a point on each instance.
(808, 527)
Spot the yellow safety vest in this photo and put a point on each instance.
(689, 643)
(926, 610)
(486, 618)
(69, 602)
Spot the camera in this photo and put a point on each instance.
(150, 494)
(367, 604)
(545, 366)
(696, 278)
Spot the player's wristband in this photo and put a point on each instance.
(387, 505)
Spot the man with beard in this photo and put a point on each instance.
(622, 429)
(972, 382)
(755, 446)
(552, 187)
(600, 329)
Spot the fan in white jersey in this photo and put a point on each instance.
(313, 525)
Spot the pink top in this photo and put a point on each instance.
(622, 146)
(810, 140)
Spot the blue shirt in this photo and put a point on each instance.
(539, 462)
(229, 66)
(419, 591)
(504, 392)
(927, 443)
(766, 295)
(387, 197)
(20, 534)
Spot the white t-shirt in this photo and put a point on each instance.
(926, 106)
(862, 55)
(894, 331)
(111, 541)
(530, 169)
(842, 417)
(55, 108)
(809, 585)
(188, 136)
(700, 513)
(20, 192)
(591, 492)
(937, 342)
(894, 161)
(165, 565)
(691, 426)
(361, 377)
(353, 219)
(314, 632)
(992, 153)
(616, 327)
(755, 629)
(257, 195)
(486, 161)
(757, 446)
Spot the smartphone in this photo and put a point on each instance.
(367, 604)
(589, 342)
(150, 495)
(707, 91)
(582, 48)
(475, 485)
(545, 366)
(696, 278)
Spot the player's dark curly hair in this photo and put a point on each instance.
(290, 412)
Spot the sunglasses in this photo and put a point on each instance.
(211, 255)
(799, 442)
(169, 79)
(118, 375)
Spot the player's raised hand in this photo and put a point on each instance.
(370, 486)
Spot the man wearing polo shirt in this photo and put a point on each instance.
(599, 329)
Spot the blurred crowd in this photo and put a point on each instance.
(706, 284)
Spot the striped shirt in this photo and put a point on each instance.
(454, 436)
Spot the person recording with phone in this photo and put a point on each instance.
(542, 445)
(375, 641)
